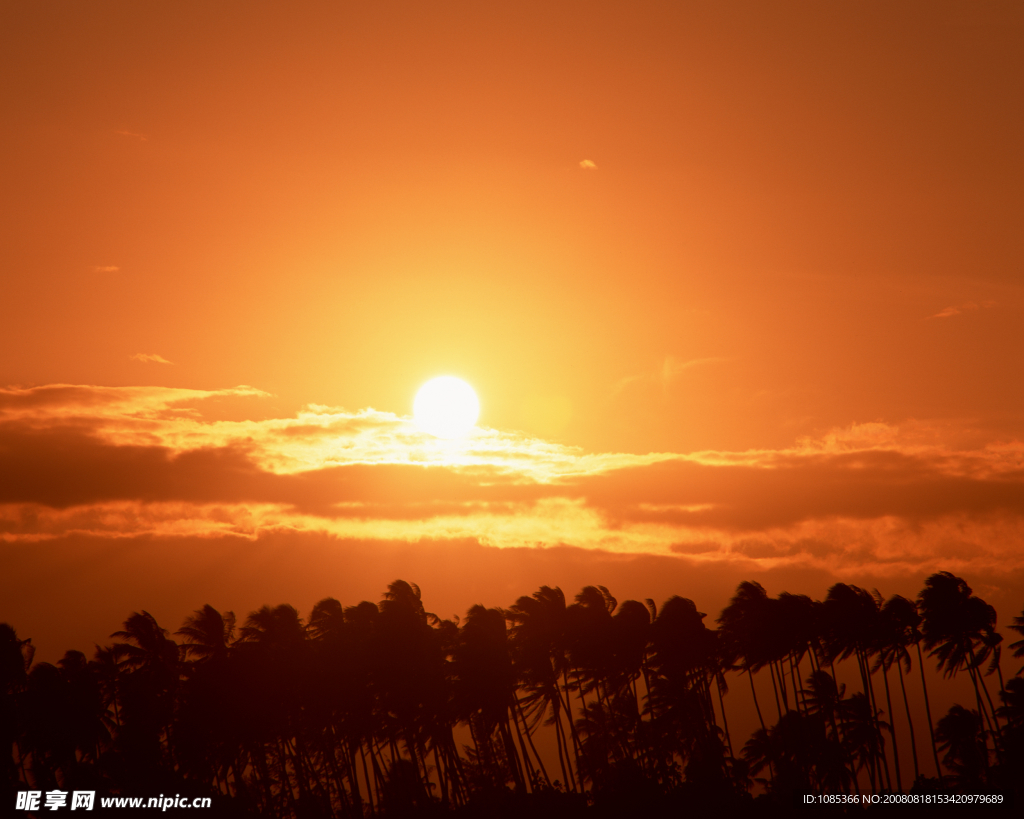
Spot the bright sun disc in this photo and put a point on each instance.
(447, 407)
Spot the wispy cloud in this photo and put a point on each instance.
(150, 358)
(141, 137)
(966, 307)
(105, 268)
(670, 371)
(588, 165)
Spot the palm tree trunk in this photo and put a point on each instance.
(576, 746)
(286, 779)
(866, 671)
(757, 707)
(511, 755)
(872, 759)
(703, 687)
(928, 711)
(721, 703)
(239, 784)
(366, 776)
(330, 747)
(441, 777)
(794, 675)
(983, 713)
(892, 730)
(775, 688)
(753, 691)
(837, 731)
(559, 742)
(529, 739)
(997, 736)
(782, 685)
(910, 722)
(378, 771)
(454, 764)
(530, 771)
(352, 774)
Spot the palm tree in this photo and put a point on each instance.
(147, 660)
(684, 657)
(108, 673)
(271, 659)
(208, 633)
(851, 623)
(630, 635)
(744, 628)
(208, 711)
(1018, 647)
(962, 736)
(588, 626)
(881, 643)
(64, 729)
(959, 629)
(1012, 712)
(798, 619)
(413, 681)
(823, 702)
(899, 629)
(862, 734)
(15, 660)
(364, 721)
(485, 689)
(540, 657)
(340, 697)
(792, 747)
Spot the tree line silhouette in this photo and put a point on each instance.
(560, 708)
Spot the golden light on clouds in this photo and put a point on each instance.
(132, 462)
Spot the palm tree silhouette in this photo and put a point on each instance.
(852, 621)
(147, 684)
(899, 629)
(15, 660)
(485, 690)
(208, 633)
(744, 626)
(881, 643)
(354, 713)
(685, 661)
(959, 630)
(413, 682)
(540, 656)
(1018, 646)
(961, 735)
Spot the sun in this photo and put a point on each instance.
(447, 407)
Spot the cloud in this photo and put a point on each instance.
(670, 371)
(131, 462)
(51, 403)
(588, 165)
(146, 358)
(105, 268)
(949, 312)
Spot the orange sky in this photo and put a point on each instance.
(739, 286)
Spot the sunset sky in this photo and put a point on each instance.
(738, 285)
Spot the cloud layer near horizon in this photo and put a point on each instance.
(128, 462)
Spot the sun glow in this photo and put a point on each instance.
(447, 407)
